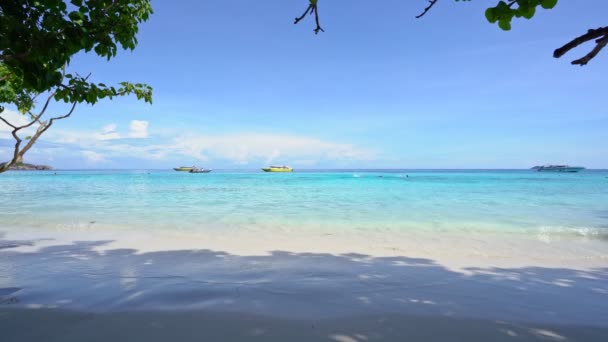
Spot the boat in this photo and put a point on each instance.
(198, 170)
(558, 168)
(277, 169)
(184, 168)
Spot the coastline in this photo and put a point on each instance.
(331, 257)
(456, 251)
(27, 167)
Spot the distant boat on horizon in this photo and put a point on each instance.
(282, 168)
(558, 168)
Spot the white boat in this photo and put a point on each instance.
(558, 168)
(198, 170)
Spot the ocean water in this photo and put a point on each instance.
(521, 201)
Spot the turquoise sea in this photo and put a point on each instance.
(519, 201)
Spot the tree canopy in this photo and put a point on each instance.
(39, 38)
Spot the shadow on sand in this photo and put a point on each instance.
(74, 293)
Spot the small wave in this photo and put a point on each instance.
(584, 232)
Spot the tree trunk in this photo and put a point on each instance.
(43, 126)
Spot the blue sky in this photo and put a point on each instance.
(237, 85)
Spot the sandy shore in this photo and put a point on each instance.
(368, 287)
(454, 250)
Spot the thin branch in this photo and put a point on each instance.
(308, 9)
(428, 8)
(600, 44)
(59, 118)
(37, 117)
(318, 28)
(8, 123)
(312, 8)
(64, 116)
(600, 35)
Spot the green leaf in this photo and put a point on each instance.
(504, 24)
(491, 15)
(548, 4)
(529, 12)
(76, 16)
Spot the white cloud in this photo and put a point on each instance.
(109, 128)
(235, 148)
(93, 157)
(108, 132)
(139, 129)
(247, 148)
(108, 136)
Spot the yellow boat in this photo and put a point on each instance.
(278, 169)
(184, 168)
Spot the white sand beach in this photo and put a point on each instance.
(302, 287)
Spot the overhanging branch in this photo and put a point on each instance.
(600, 35)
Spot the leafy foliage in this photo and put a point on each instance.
(39, 38)
(12, 91)
(504, 12)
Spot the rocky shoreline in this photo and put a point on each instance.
(27, 167)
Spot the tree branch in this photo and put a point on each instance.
(5, 166)
(318, 28)
(428, 8)
(18, 152)
(312, 8)
(308, 9)
(600, 44)
(600, 35)
(37, 117)
(64, 116)
(8, 123)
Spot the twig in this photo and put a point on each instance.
(428, 8)
(308, 9)
(312, 8)
(600, 35)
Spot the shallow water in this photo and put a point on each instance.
(353, 200)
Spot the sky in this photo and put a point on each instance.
(237, 85)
